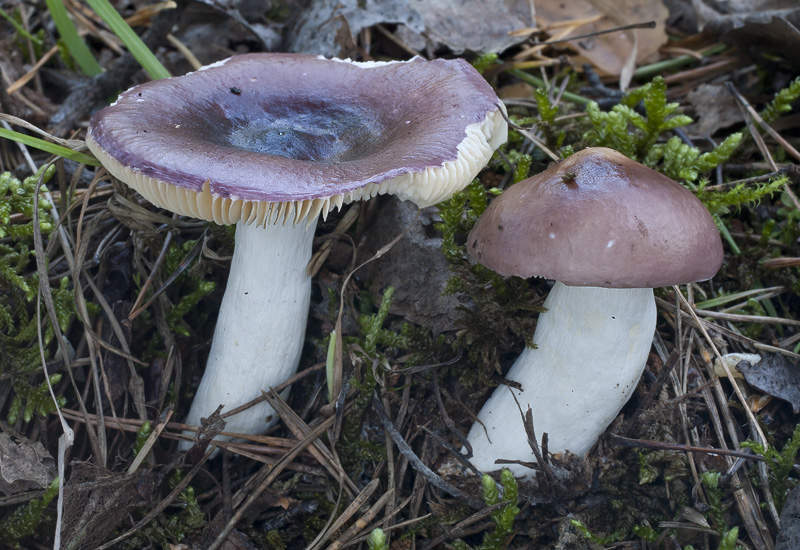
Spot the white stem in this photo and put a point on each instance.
(592, 346)
(261, 325)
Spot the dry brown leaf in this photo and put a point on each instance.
(478, 25)
(24, 465)
(415, 267)
(776, 376)
(789, 535)
(608, 53)
(516, 90)
(714, 108)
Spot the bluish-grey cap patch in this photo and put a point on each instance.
(267, 137)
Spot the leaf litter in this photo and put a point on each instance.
(414, 369)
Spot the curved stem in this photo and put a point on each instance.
(261, 325)
(592, 346)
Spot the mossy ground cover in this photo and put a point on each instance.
(117, 300)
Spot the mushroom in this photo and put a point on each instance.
(608, 230)
(271, 141)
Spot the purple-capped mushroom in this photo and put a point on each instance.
(271, 141)
(608, 230)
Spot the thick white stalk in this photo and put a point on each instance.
(261, 324)
(592, 346)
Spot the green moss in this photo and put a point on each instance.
(325, 508)
(274, 540)
(378, 540)
(683, 162)
(188, 285)
(23, 521)
(33, 399)
(660, 116)
(547, 111)
(172, 526)
(648, 473)
(721, 202)
(372, 331)
(422, 347)
(354, 448)
(646, 533)
(19, 281)
(716, 513)
(522, 169)
(485, 61)
(728, 540)
(660, 464)
(779, 466)
(19, 197)
(638, 136)
(504, 516)
(503, 314)
(142, 435)
(782, 102)
(16, 252)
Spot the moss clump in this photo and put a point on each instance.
(503, 312)
(364, 349)
(722, 202)
(18, 280)
(779, 466)
(185, 277)
(31, 400)
(23, 521)
(172, 526)
(639, 135)
(782, 102)
(504, 516)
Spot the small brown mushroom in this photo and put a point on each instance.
(607, 229)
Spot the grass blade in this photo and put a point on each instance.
(69, 34)
(22, 32)
(118, 26)
(48, 147)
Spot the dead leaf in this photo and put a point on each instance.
(609, 52)
(714, 108)
(24, 466)
(344, 38)
(775, 376)
(776, 38)
(98, 501)
(480, 25)
(762, 29)
(209, 429)
(789, 535)
(231, 8)
(721, 17)
(756, 401)
(516, 90)
(732, 360)
(236, 540)
(415, 266)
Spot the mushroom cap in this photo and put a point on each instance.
(260, 137)
(599, 219)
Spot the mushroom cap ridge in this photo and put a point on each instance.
(599, 219)
(262, 129)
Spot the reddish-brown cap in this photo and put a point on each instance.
(262, 137)
(599, 219)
